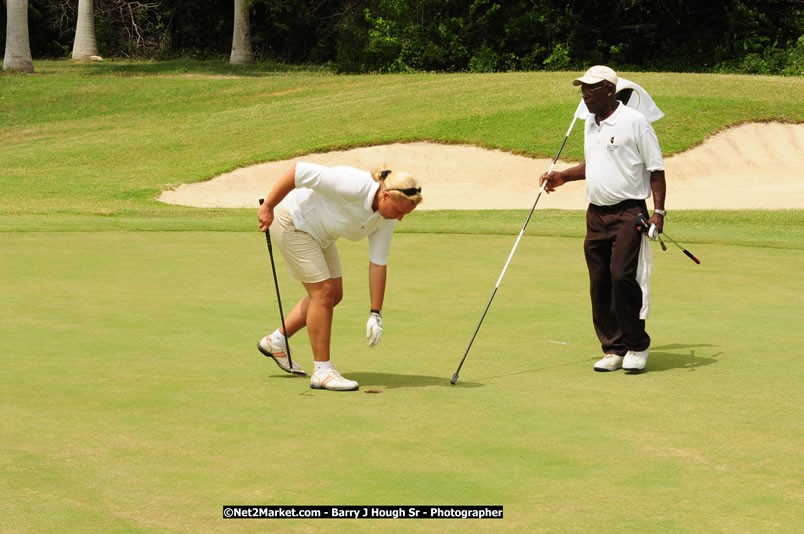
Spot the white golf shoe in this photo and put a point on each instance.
(278, 354)
(635, 360)
(332, 380)
(610, 362)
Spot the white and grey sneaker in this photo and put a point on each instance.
(635, 360)
(610, 362)
(277, 353)
(332, 380)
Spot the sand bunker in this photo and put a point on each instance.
(752, 166)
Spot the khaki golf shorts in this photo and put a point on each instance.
(306, 261)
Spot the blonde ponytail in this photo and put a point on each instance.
(399, 184)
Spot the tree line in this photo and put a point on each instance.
(745, 36)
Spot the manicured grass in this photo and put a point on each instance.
(106, 139)
(134, 400)
(776, 229)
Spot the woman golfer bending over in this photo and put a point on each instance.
(307, 210)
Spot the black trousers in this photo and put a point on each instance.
(612, 248)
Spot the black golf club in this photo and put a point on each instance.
(689, 254)
(278, 298)
(642, 225)
(511, 255)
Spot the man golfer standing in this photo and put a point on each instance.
(307, 210)
(622, 167)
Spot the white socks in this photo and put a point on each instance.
(323, 366)
(278, 340)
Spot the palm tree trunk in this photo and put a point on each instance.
(85, 44)
(18, 46)
(242, 53)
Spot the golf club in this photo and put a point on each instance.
(511, 255)
(278, 298)
(685, 251)
(642, 225)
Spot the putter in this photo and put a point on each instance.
(511, 255)
(278, 298)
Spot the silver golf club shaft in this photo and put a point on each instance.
(511, 255)
(689, 254)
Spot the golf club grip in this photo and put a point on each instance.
(268, 237)
(454, 379)
(693, 258)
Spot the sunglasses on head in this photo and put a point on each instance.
(409, 192)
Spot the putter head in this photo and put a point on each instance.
(454, 379)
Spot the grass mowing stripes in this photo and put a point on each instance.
(128, 133)
(134, 399)
(137, 390)
(774, 229)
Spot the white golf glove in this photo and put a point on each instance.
(374, 328)
(653, 232)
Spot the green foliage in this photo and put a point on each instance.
(559, 58)
(770, 59)
(358, 36)
(384, 44)
(485, 60)
(795, 66)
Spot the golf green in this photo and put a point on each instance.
(134, 399)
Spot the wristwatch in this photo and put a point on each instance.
(660, 212)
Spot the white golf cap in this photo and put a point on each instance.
(597, 74)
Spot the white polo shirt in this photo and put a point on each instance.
(333, 202)
(620, 154)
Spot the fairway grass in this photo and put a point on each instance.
(134, 399)
(106, 139)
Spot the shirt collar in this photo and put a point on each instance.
(367, 204)
(612, 119)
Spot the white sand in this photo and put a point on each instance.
(752, 166)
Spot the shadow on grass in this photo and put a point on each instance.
(661, 360)
(539, 369)
(387, 380)
(393, 381)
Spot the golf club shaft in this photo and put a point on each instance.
(511, 255)
(455, 376)
(541, 190)
(689, 254)
(278, 298)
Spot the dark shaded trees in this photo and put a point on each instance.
(757, 36)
